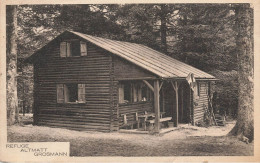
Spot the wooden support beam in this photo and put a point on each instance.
(161, 85)
(149, 85)
(163, 100)
(156, 107)
(175, 86)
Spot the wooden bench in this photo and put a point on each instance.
(131, 123)
(165, 119)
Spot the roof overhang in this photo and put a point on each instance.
(163, 66)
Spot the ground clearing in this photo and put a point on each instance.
(185, 141)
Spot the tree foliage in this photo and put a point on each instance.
(206, 38)
(199, 34)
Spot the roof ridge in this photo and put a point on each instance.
(105, 38)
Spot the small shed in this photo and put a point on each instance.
(84, 82)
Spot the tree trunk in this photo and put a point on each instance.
(163, 15)
(23, 94)
(245, 55)
(11, 63)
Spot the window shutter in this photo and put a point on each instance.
(121, 93)
(60, 93)
(66, 93)
(81, 93)
(83, 48)
(68, 49)
(63, 48)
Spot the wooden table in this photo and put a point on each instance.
(144, 117)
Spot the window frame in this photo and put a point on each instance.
(64, 98)
(136, 94)
(66, 49)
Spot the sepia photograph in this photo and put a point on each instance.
(131, 80)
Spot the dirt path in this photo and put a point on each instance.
(185, 141)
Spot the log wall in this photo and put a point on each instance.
(126, 70)
(203, 100)
(93, 70)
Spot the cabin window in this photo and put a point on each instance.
(127, 92)
(146, 93)
(124, 91)
(71, 93)
(133, 92)
(73, 49)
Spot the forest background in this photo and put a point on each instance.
(202, 35)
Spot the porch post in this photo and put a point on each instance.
(177, 105)
(156, 106)
(175, 87)
(163, 100)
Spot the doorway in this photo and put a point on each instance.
(168, 101)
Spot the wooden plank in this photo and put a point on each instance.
(161, 120)
(77, 125)
(84, 116)
(149, 85)
(126, 70)
(77, 128)
(134, 78)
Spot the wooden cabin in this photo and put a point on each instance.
(83, 82)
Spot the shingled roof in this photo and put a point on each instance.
(156, 62)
